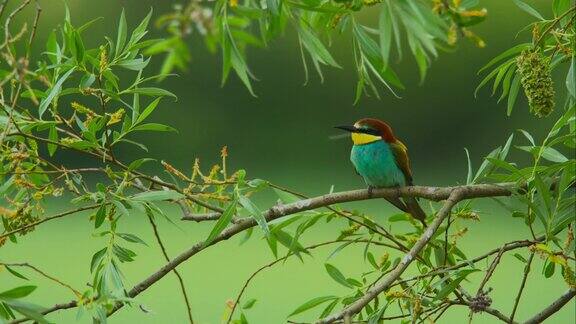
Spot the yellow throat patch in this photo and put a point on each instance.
(361, 138)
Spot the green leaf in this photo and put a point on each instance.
(337, 275)
(122, 32)
(570, 78)
(158, 195)
(513, 94)
(131, 238)
(311, 304)
(249, 304)
(152, 92)
(222, 222)
(509, 52)
(553, 155)
(100, 216)
(315, 47)
(78, 47)
(54, 92)
(447, 289)
(140, 30)
(15, 273)
(519, 257)
(53, 136)
(469, 175)
(255, 212)
(154, 127)
(527, 8)
(528, 136)
(147, 111)
(18, 292)
(96, 259)
(549, 269)
(385, 34)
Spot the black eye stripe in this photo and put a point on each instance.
(370, 131)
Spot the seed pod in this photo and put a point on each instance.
(535, 73)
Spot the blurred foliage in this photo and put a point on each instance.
(233, 26)
(96, 100)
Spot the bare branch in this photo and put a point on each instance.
(552, 308)
(354, 308)
(526, 271)
(279, 211)
(167, 258)
(43, 220)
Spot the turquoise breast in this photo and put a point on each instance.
(375, 162)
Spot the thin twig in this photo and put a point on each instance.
(167, 258)
(268, 265)
(490, 271)
(354, 308)
(44, 274)
(526, 271)
(43, 220)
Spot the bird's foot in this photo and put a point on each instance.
(370, 191)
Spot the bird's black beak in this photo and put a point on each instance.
(350, 129)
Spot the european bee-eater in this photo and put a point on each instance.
(382, 160)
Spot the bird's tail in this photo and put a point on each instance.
(414, 209)
(410, 206)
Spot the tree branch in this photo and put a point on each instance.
(526, 272)
(279, 211)
(354, 308)
(167, 258)
(552, 308)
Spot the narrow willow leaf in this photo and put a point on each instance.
(509, 52)
(158, 195)
(18, 292)
(311, 304)
(469, 175)
(513, 94)
(222, 222)
(447, 289)
(54, 92)
(528, 136)
(255, 212)
(337, 275)
(385, 28)
(249, 304)
(553, 155)
(131, 238)
(154, 127)
(53, 136)
(527, 8)
(147, 111)
(15, 273)
(155, 92)
(570, 78)
(315, 47)
(122, 33)
(96, 259)
(100, 216)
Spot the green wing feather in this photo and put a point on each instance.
(401, 155)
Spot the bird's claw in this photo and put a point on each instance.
(370, 191)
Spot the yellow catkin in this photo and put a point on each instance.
(116, 117)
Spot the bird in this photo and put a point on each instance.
(382, 160)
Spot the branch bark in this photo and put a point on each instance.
(354, 308)
(455, 193)
(552, 308)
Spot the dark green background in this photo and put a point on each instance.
(283, 136)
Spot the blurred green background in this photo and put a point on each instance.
(283, 136)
